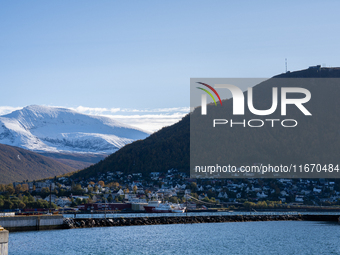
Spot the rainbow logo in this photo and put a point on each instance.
(209, 93)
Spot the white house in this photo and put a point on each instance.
(261, 195)
(80, 197)
(298, 198)
(53, 198)
(63, 201)
(221, 195)
(317, 190)
(200, 188)
(120, 192)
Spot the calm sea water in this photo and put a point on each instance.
(275, 237)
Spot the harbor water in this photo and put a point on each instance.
(269, 237)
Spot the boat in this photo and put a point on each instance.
(162, 208)
(177, 208)
(158, 207)
(151, 205)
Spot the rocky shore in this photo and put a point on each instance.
(88, 223)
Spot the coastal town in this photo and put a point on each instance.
(131, 192)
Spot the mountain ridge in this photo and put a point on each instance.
(53, 129)
(17, 164)
(170, 147)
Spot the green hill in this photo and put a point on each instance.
(168, 148)
(315, 140)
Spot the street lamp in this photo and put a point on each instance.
(105, 206)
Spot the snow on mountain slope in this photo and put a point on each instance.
(51, 129)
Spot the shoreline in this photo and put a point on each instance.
(36, 223)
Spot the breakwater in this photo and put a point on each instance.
(45, 222)
(88, 223)
(25, 223)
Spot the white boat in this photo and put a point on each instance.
(151, 205)
(177, 208)
(162, 208)
(158, 207)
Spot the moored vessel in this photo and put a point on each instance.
(151, 205)
(158, 207)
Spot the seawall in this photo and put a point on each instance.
(88, 223)
(83, 223)
(38, 222)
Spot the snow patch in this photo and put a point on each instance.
(52, 129)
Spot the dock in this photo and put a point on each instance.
(36, 222)
(3, 241)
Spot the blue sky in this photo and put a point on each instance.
(142, 54)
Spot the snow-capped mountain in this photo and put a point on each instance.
(51, 129)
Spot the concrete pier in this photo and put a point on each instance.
(3, 241)
(39, 222)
